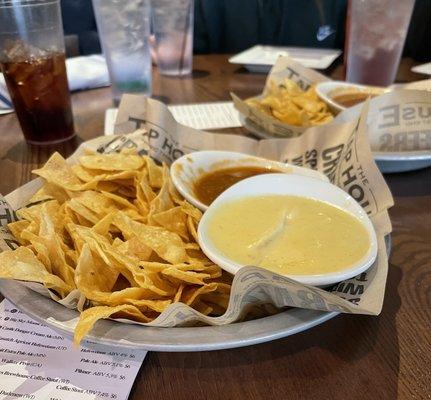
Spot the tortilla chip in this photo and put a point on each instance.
(155, 174)
(167, 245)
(112, 162)
(16, 229)
(174, 220)
(195, 278)
(115, 228)
(23, 265)
(58, 172)
(93, 275)
(90, 316)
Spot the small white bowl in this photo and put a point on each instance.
(296, 185)
(188, 168)
(327, 90)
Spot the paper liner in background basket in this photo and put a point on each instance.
(341, 152)
(284, 68)
(398, 121)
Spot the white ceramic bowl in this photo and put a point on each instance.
(327, 90)
(296, 185)
(187, 169)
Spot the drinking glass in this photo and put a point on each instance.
(173, 31)
(32, 59)
(124, 31)
(375, 39)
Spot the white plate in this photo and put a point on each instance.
(261, 58)
(178, 339)
(295, 185)
(422, 69)
(186, 169)
(201, 338)
(402, 161)
(388, 163)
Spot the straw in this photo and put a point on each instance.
(183, 45)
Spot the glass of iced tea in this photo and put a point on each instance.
(32, 60)
(376, 31)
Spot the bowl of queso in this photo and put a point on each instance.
(341, 95)
(202, 176)
(296, 226)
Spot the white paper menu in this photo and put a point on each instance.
(216, 115)
(37, 363)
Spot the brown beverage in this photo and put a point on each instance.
(37, 83)
(376, 30)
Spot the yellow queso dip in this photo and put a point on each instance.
(289, 235)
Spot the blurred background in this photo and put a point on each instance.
(230, 26)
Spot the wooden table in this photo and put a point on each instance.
(349, 357)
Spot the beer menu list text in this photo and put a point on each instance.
(37, 363)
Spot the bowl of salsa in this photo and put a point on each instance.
(202, 176)
(342, 95)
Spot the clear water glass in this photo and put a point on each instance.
(173, 31)
(124, 31)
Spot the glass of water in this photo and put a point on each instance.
(173, 31)
(124, 31)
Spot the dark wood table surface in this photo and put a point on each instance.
(349, 357)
